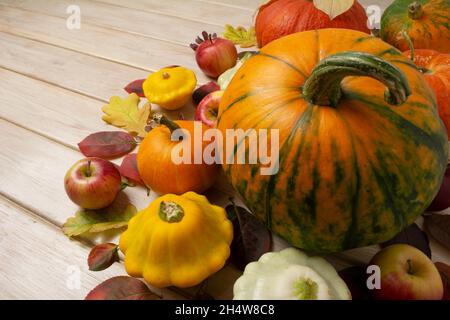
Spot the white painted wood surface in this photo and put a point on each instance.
(53, 84)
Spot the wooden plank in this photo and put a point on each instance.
(249, 5)
(81, 73)
(204, 12)
(38, 262)
(129, 49)
(139, 22)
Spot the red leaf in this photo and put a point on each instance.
(444, 270)
(129, 169)
(251, 238)
(412, 236)
(107, 144)
(355, 278)
(122, 288)
(136, 87)
(103, 256)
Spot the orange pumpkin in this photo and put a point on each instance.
(279, 18)
(362, 152)
(435, 67)
(426, 22)
(157, 168)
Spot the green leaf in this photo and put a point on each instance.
(333, 8)
(241, 36)
(94, 221)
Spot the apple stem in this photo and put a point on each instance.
(88, 169)
(410, 268)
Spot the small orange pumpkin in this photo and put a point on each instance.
(426, 22)
(163, 175)
(279, 18)
(435, 66)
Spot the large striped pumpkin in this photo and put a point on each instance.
(356, 164)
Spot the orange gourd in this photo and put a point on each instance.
(435, 67)
(426, 22)
(157, 168)
(362, 151)
(279, 18)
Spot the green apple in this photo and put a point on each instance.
(407, 274)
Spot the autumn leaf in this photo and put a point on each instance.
(412, 236)
(129, 170)
(126, 114)
(122, 288)
(241, 36)
(251, 238)
(94, 221)
(444, 271)
(103, 256)
(333, 8)
(107, 144)
(438, 226)
(136, 87)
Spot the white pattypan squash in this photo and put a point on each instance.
(290, 275)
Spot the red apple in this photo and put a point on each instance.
(204, 90)
(208, 109)
(406, 274)
(214, 55)
(92, 183)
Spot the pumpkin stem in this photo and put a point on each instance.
(410, 44)
(323, 87)
(415, 10)
(170, 212)
(163, 120)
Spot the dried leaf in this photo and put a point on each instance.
(356, 280)
(251, 238)
(129, 169)
(126, 114)
(94, 221)
(136, 87)
(122, 288)
(413, 236)
(103, 256)
(241, 36)
(438, 225)
(107, 144)
(444, 270)
(333, 8)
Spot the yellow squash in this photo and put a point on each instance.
(171, 87)
(177, 241)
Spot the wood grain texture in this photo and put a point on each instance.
(125, 48)
(205, 12)
(38, 262)
(157, 26)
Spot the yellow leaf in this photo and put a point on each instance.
(93, 221)
(126, 114)
(241, 36)
(333, 8)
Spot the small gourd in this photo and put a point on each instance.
(177, 241)
(290, 275)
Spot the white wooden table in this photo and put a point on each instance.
(53, 82)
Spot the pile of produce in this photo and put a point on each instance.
(362, 125)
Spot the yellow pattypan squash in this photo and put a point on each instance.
(171, 88)
(177, 241)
